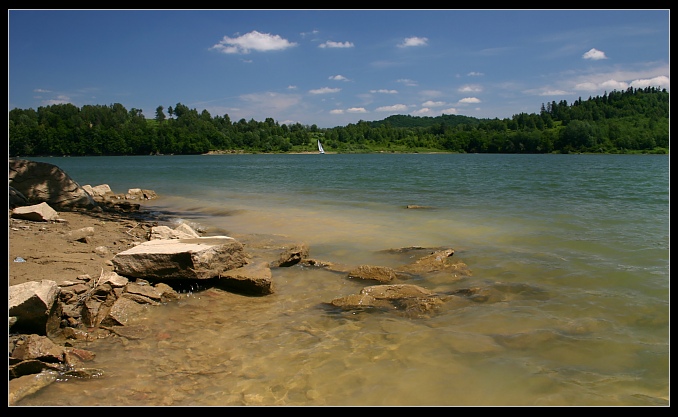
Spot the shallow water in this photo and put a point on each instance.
(576, 246)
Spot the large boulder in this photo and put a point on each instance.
(41, 182)
(170, 259)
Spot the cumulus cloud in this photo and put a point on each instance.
(413, 41)
(338, 78)
(331, 44)
(475, 74)
(252, 41)
(469, 100)
(395, 107)
(661, 81)
(337, 111)
(325, 90)
(356, 110)
(594, 54)
(422, 111)
(614, 85)
(451, 110)
(431, 103)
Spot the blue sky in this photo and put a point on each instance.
(332, 67)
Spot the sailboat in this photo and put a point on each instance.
(320, 147)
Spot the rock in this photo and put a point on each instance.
(405, 298)
(123, 311)
(138, 193)
(33, 303)
(198, 258)
(99, 192)
(41, 182)
(292, 255)
(81, 235)
(183, 231)
(376, 273)
(254, 278)
(38, 213)
(437, 261)
(29, 384)
(38, 347)
(16, 199)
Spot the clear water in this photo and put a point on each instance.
(577, 244)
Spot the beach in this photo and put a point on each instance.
(48, 250)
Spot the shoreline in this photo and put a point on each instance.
(49, 250)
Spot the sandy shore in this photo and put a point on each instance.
(49, 251)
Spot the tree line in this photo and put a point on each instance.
(629, 121)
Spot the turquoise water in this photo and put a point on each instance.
(580, 241)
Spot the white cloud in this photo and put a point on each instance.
(338, 78)
(661, 81)
(59, 100)
(413, 41)
(430, 103)
(594, 54)
(553, 93)
(325, 90)
(356, 110)
(262, 42)
(469, 100)
(422, 111)
(337, 111)
(475, 74)
(395, 107)
(470, 88)
(331, 44)
(40, 90)
(451, 110)
(586, 86)
(614, 85)
(384, 91)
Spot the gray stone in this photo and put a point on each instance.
(198, 258)
(41, 212)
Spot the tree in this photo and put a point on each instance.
(159, 115)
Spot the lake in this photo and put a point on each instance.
(578, 245)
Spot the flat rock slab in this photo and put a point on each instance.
(197, 258)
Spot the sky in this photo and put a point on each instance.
(332, 67)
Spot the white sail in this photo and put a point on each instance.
(320, 147)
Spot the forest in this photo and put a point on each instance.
(630, 121)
